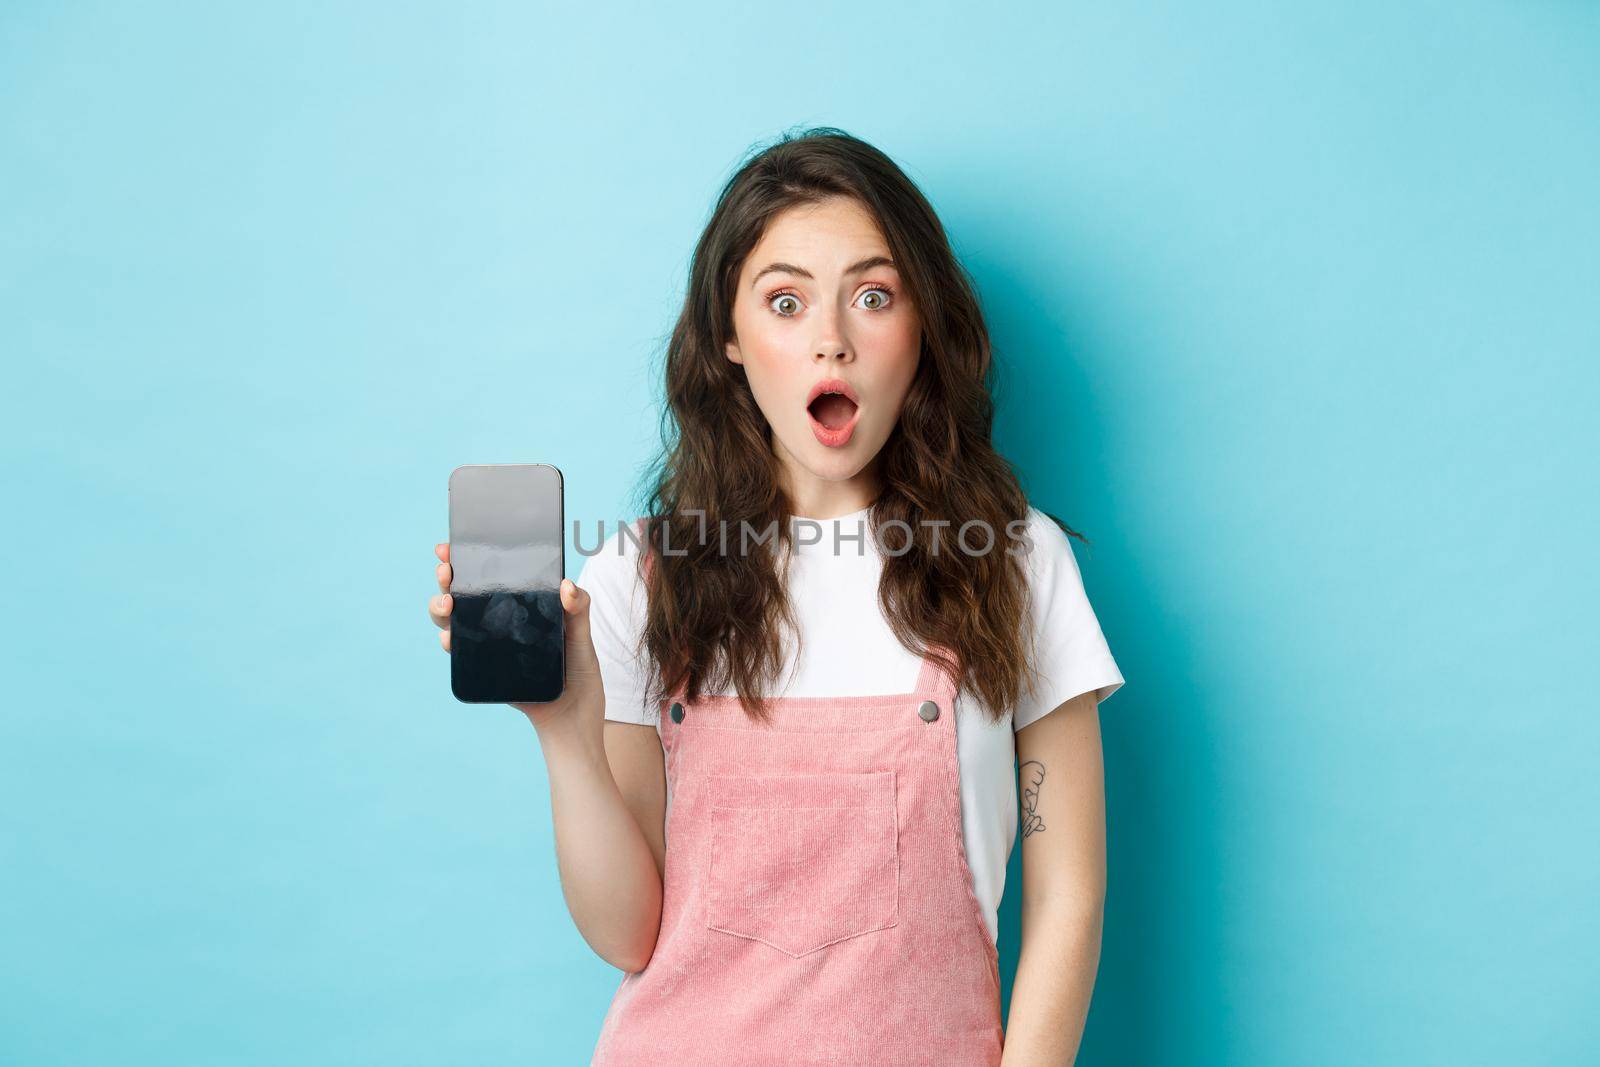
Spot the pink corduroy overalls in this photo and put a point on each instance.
(817, 902)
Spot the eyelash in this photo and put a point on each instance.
(790, 292)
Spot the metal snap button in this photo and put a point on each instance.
(928, 710)
(677, 711)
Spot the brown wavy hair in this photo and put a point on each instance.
(717, 619)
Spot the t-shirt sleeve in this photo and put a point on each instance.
(616, 618)
(1072, 654)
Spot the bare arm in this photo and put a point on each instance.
(604, 778)
(610, 867)
(1061, 790)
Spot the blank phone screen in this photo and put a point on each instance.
(507, 559)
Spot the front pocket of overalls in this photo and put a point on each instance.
(803, 861)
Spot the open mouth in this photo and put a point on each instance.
(833, 407)
(833, 410)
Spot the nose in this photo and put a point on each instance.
(830, 345)
(832, 350)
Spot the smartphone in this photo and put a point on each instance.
(507, 559)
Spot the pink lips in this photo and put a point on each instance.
(839, 436)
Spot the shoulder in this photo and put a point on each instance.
(618, 548)
(1048, 549)
(616, 621)
(1069, 647)
(610, 573)
(1054, 578)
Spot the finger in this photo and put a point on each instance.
(439, 609)
(442, 572)
(444, 640)
(576, 602)
(442, 551)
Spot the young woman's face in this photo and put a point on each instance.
(819, 301)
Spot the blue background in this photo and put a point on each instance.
(1297, 312)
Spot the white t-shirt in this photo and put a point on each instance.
(848, 649)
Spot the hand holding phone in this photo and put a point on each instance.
(584, 689)
(516, 630)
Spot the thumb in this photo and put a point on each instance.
(575, 601)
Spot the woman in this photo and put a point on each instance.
(813, 877)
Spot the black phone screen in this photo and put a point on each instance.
(507, 559)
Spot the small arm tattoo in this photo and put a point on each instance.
(1032, 777)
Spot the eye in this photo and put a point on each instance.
(880, 296)
(775, 298)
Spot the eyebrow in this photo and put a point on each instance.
(790, 268)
